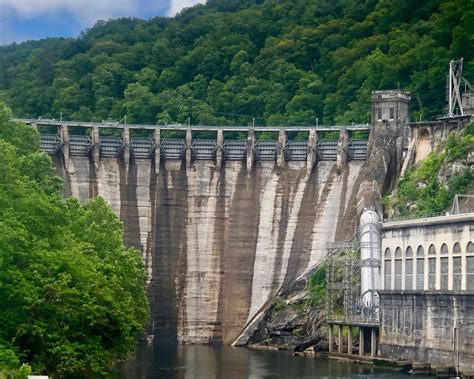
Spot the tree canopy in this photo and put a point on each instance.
(72, 297)
(226, 62)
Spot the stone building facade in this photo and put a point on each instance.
(427, 296)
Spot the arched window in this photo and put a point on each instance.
(432, 268)
(444, 268)
(444, 249)
(398, 252)
(424, 144)
(420, 268)
(444, 273)
(457, 270)
(409, 268)
(438, 133)
(398, 268)
(457, 248)
(420, 252)
(470, 248)
(470, 266)
(388, 269)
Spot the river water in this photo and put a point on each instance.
(207, 362)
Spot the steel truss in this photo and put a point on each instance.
(453, 93)
(462, 204)
(343, 285)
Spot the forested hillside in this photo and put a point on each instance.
(230, 60)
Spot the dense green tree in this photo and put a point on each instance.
(72, 297)
(272, 60)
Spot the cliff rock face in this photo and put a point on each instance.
(291, 322)
(218, 244)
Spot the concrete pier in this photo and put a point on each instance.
(250, 151)
(220, 149)
(96, 146)
(157, 154)
(282, 139)
(126, 148)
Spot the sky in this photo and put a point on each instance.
(22, 20)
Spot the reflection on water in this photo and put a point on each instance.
(207, 362)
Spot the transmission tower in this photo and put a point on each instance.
(455, 79)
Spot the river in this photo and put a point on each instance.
(207, 362)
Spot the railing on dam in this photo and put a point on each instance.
(93, 141)
(179, 127)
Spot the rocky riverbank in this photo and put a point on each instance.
(294, 321)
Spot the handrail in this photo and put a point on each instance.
(114, 125)
(429, 215)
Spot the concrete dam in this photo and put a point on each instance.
(221, 230)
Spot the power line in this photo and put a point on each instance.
(238, 115)
(262, 118)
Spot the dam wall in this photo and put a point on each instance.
(218, 243)
(224, 224)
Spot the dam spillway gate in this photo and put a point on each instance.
(201, 149)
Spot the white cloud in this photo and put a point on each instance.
(86, 12)
(177, 5)
(80, 14)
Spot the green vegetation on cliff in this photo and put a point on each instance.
(316, 286)
(431, 186)
(72, 297)
(279, 61)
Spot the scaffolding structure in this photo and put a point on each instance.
(453, 93)
(462, 204)
(343, 286)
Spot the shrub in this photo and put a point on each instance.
(317, 285)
